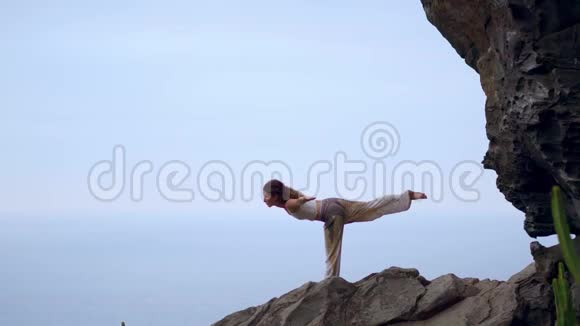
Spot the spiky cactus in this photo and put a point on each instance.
(563, 230)
(564, 309)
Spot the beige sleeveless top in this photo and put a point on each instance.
(307, 211)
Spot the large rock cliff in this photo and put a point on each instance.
(527, 53)
(402, 297)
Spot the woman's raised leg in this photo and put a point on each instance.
(364, 211)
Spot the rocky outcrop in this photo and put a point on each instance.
(527, 53)
(402, 297)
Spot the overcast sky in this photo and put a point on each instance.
(232, 84)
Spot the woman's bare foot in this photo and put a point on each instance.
(417, 195)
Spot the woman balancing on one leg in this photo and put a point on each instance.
(335, 212)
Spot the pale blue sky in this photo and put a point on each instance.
(294, 81)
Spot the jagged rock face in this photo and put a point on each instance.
(527, 53)
(402, 297)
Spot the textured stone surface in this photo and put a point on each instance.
(398, 296)
(547, 258)
(527, 53)
(442, 292)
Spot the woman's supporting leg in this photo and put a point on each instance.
(364, 211)
(333, 230)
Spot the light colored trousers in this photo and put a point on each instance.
(344, 211)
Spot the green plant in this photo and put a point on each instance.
(563, 230)
(564, 309)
